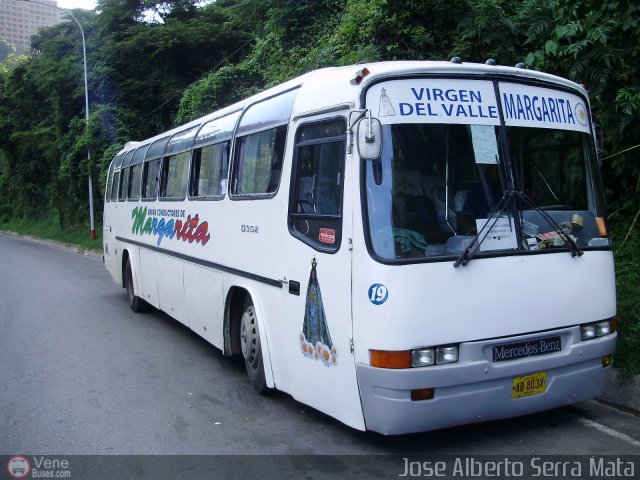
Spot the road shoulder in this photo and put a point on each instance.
(623, 392)
(57, 244)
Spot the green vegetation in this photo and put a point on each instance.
(147, 76)
(627, 246)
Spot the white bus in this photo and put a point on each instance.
(404, 246)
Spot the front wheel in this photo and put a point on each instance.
(136, 303)
(251, 349)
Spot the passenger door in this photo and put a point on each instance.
(317, 253)
(109, 223)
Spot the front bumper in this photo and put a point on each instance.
(477, 389)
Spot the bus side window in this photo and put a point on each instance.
(115, 183)
(175, 172)
(150, 169)
(315, 207)
(134, 182)
(124, 185)
(107, 190)
(258, 162)
(149, 174)
(209, 171)
(135, 179)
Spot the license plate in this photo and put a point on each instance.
(529, 385)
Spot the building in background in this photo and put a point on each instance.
(20, 20)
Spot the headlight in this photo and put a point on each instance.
(447, 354)
(603, 328)
(423, 357)
(589, 331)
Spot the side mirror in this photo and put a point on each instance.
(369, 138)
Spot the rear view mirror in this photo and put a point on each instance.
(369, 138)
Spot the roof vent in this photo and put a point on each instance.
(491, 62)
(456, 60)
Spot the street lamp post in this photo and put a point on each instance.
(86, 106)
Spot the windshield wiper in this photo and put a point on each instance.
(575, 250)
(469, 252)
(502, 205)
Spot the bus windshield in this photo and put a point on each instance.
(437, 185)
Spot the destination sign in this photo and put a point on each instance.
(473, 102)
(529, 106)
(425, 100)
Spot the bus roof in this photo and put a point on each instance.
(336, 86)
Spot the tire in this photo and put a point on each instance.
(137, 304)
(251, 348)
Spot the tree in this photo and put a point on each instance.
(596, 44)
(6, 49)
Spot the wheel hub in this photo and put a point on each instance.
(249, 336)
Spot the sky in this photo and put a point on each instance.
(86, 4)
(91, 4)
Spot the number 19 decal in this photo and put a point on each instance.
(378, 294)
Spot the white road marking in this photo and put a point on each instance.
(610, 431)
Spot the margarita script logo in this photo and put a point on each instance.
(160, 224)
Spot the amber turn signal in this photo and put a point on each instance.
(602, 227)
(390, 359)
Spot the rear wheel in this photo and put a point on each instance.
(136, 303)
(251, 348)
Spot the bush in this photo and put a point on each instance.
(626, 247)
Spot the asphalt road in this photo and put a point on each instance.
(80, 374)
